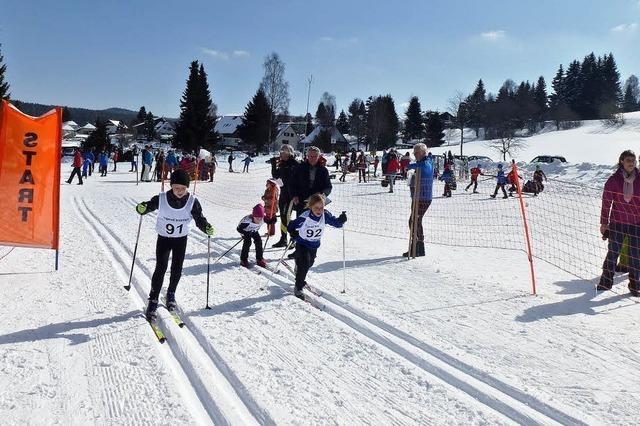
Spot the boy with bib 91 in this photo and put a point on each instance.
(176, 208)
(307, 231)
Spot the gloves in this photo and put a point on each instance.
(141, 208)
(209, 230)
(343, 217)
(294, 234)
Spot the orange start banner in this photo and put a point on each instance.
(30, 149)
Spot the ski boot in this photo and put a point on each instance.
(261, 263)
(171, 301)
(244, 263)
(150, 313)
(298, 293)
(492, 195)
(280, 244)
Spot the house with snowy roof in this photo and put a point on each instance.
(227, 128)
(86, 129)
(286, 135)
(337, 138)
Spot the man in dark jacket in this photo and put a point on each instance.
(310, 177)
(284, 171)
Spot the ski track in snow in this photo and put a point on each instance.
(394, 417)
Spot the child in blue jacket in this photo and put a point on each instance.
(447, 177)
(307, 231)
(501, 180)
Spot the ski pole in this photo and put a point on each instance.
(274, 270)
(135, 250)
(208, 268)
(344, 264)
(226, 252)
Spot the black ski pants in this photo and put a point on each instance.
(285, 215)
(305, 257)
(76, 171)
(423, 206)
(164, 246)
(246, 245)
(475, 185)
(500, 186)
(616, 235)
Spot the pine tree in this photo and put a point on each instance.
(434, 129)
(540, 97)
(149, 127)
(98, 139)
(572, 84)
(631, 100)
(342, 124)
(308, 125)
(142, 115)
(382, 122)
(475, 107)
(611, 94)
(4, 86)
(413, 125)
(257, 119)
(357, 120)
(195, 126)
(322, 115)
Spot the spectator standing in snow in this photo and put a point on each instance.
(345, 169)
(404, 162)
(134, 158)
(475, 172)
(270, 198)
(423, 196)
(171, 163)
(501, 181)
(212, 164)
(310, 177)
(538, 176)
(247, 160)
(230, 160)
(160, 167)
(446, 177)
(77, 163)
(620, 219)
(307, 230)
(249, 228)
(104, 163)
(176, 208)
(393, 166)
(115, 158)
(361, 165)
(286, 167)
(376, 161)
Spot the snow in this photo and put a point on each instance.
(451, 338)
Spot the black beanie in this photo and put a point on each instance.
(180, 177)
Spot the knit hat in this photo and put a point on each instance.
(258, 211)
(180, 177)
(499, 166)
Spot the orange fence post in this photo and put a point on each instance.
(526, 229)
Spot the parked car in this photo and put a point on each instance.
(68, 152)
(548, 159)
(482, 158)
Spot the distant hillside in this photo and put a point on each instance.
(79, 115)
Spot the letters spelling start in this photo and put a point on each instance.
(25, 195)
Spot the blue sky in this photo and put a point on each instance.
(99, 54)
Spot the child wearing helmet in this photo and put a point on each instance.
(249, 228)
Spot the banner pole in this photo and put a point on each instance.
(57, 259)
(526, 230)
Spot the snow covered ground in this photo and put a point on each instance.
(451, 338)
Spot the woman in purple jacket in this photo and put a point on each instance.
(620, 219)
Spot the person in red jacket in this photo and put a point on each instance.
(393, 166)
(620, 219)
(475, 172)
(77, 163)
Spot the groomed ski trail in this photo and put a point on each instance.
(209, 387)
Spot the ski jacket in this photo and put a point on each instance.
(500, 177)
(147, 157)
(247, 160)
(178, 203)
(284, 171)
(247, 226)
(614, 208)
(104, 159)
(307, 180)
(77, 159)
(447, 176)
(538, 175)
(475, 172)
(172, 161)
(405, 161)
(310, 227)
(270, 198)
(392, 165)
(426, 179)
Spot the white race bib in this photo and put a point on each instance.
(173, 223)
(310, 229)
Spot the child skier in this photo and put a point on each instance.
(86, 165)
(501, 180)
(538, 175)
(512, 178)
(307, 231)
(447, 177)
(475, 172)
(270, 198)
(176, 208)
(104, 162)
(249, 228)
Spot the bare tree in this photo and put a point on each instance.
(275, 87)
(458, 107)
(507, 144)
